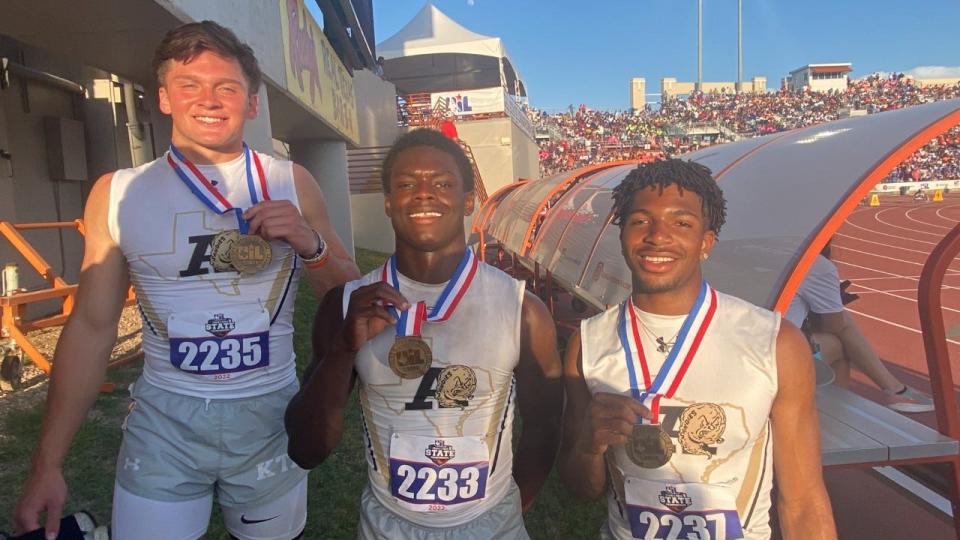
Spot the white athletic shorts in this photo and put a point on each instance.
(503, 522)
(179, 451)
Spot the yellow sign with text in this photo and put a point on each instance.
(314, 71)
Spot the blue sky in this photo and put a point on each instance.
(573, 51)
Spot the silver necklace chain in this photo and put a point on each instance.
(663, 346)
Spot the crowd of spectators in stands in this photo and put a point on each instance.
(583, 136)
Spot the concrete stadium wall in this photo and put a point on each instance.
(491, 142)
(377, 122)
(371, 227)
(526, 158)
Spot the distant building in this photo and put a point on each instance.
(670, 87)
(819, 77)
(638, 90)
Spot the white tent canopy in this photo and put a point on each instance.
(435, 53)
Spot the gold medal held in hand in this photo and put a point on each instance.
(410, 357)
(649, 446)
(221, 248)
(250, 254)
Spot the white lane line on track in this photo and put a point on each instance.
(858, 239)
(878, 256)
(890, 275)
(919, 490)
(911, 278)
(939, 215)
(877, 218)
(898, 325)
(873, 232)
(855, 288)
(914, 299)
(924, 223)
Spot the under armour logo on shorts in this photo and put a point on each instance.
(128, 464)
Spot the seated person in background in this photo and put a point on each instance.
(840, 340)
(920, 195)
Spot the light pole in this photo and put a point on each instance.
(739, 46)
(699, 44)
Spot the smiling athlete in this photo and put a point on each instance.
(445, 349)
(213, 237)
(683, 403)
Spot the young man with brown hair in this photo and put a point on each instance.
(213, 237)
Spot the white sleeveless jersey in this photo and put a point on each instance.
(205, 334)
(460, 412)
(718, 419)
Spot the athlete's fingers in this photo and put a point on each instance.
(27, 519)
(611, 438)
(379, 293)
(614, 425)
(365, 314)
(622, 402)
(270, 207)
(54, 509)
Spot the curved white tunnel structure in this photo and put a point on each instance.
(787, 194)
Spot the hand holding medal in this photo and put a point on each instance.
(649, 446)
(235, 249)
(608, 421)
(410, 356)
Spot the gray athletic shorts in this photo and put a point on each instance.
(503, 522)
(178, 448)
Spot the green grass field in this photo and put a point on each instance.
(335, 486)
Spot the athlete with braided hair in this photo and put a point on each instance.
(683, 402)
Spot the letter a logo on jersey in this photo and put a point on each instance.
(440, 452)
(677, 501)
(220, 325)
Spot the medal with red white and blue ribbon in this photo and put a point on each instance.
(649, 446)
(410, 356)
(234, 249)
(209, 195)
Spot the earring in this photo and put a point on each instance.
(704, 256)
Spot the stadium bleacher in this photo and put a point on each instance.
(584, 136)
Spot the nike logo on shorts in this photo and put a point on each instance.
(245, 521)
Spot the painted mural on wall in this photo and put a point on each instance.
(314, 72)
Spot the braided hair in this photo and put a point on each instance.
(686, 175)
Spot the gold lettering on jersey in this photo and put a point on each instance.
(456, 385)
(701, 425)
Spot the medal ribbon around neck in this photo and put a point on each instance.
(209, 194)
(677, 363)
(409, 321)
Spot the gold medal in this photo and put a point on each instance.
(410, 357)
(250, 254)
(649, 446)
(220, 250)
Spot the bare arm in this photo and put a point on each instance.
(79, 363)
(280, 219)
(802, 502)
(314, 417)
(540, 397)
(591, 424)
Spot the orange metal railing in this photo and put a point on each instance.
(13, 320)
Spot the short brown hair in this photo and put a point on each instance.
(185, 42)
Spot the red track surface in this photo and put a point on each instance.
(882, 251)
